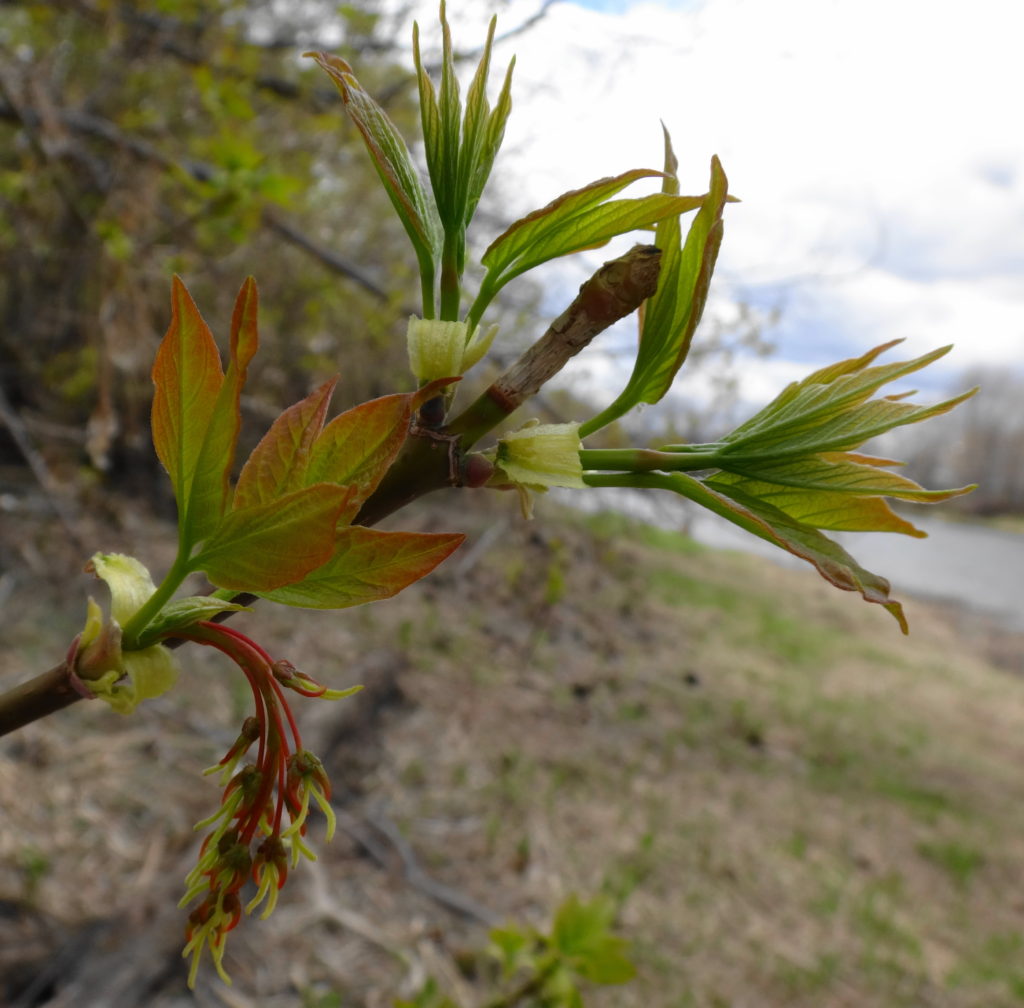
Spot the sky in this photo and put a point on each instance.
(876, 146)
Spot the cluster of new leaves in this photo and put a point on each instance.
(283, 532)
(792, 471)
(460, 146)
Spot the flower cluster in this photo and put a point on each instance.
(258, 832)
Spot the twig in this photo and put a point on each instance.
(412, 872)
(103, 129)
(41, 471)
(613, 292)
(425, 463)
(39, 697)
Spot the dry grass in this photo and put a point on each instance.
(794, 805)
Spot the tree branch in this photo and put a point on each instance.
(39, 697)
(613, 292)
(273, 220)
(431, 458)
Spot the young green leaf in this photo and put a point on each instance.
(790, 471)
(840, 491)
(415, 207)
(671, 316)
(211, 484)
(460, 148)
(580, 219)
(441, 116)
(185, 612)
(483, 130)
(278, 464)
(597, 226)
(829, 558)
(831, 410)
(188, 377)
(583, 938)
(367, 565)
(275, 543)
(774, 526)
(668, 320)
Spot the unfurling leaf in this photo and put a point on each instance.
(367, 566)
(484, 127)
(415, 207)
(278, 464)
(840, 491)
(358, 446)
(774, 526)
(669, 318)
(211, 487)
(581, 219)
(188, 377)
(196, 416)
(830, 410)
(460, 148)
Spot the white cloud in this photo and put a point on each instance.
(876, 146)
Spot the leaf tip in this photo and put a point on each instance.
(900, 616)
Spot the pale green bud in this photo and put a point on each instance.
(542, 455)
(122, 678)
(440, 349)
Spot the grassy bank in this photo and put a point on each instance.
(794, 805)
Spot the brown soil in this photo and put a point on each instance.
(793, 805)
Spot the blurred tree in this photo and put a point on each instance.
(139, 138)
(982, 442)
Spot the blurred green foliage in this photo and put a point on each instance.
(535, 969)
(139, 139)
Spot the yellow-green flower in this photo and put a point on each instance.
(122, 678)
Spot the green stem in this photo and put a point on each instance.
(645, 460)
(427, 275)
(476, 310)
(619, 408)
(180, 569)
(427, 291)
(637, 481)
(451, 286)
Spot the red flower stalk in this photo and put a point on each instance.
(249, 838)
